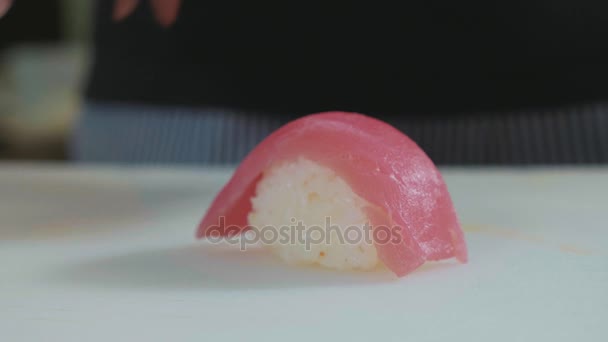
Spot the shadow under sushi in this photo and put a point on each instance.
(210, 267)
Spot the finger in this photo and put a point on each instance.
(5, 5)
(124, 8)
(166, 11)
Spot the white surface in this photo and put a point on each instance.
(99, 254)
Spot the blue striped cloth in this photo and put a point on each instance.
(155, 135)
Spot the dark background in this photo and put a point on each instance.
(406, 59)
(31, 21)
(402, 58)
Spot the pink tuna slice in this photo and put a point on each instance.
(383, 166)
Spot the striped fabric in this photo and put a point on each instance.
(576, 135)
(150, 135)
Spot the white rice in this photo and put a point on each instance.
(303, 191)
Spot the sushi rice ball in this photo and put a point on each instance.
(307, 193)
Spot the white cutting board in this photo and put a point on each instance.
(108, 254)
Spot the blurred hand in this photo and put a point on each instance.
(4, 6)
(165, 11)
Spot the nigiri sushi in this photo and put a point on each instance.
(356, 172)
